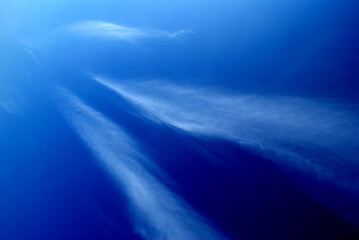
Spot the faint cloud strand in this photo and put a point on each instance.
(13, 106)
(33, 56)
(157, 212)
(118, 32)
(10, 107)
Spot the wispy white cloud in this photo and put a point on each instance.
(286, 126)
(9, 107)
(118, 32)
(12, 106)
(157, 212)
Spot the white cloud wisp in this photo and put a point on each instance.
(113, 31)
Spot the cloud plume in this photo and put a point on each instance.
(315, 137)
(157, 212)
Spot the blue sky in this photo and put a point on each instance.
(179, 120)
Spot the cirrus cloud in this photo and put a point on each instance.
(157, 212)
(312, 136)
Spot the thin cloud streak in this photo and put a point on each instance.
(286, 126)
(157, 212)
(9, 107)
(33, 56)
(109, 30)
(12, 106)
